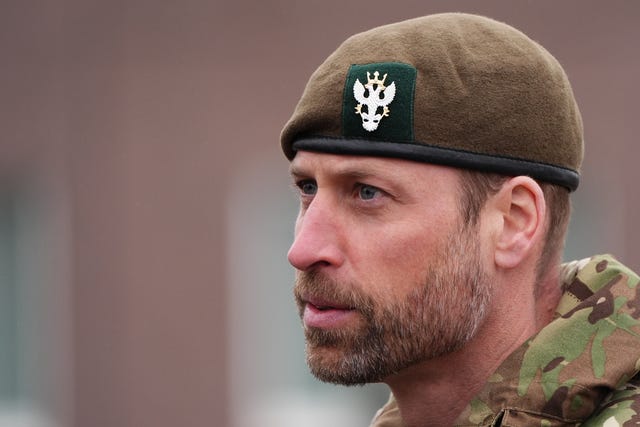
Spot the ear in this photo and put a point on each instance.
(521, 211)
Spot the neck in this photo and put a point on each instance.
(436, 391)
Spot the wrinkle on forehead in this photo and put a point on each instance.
(338, 164)
(309, 163)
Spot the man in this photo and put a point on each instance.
(434, 160)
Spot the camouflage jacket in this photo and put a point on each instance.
(579, 370)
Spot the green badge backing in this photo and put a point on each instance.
(397, 126)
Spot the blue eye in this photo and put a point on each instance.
(367, 192)
(308, 188)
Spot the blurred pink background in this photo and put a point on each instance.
(144, 208)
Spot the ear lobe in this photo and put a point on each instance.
(521, 204)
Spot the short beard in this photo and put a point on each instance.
(440, 316)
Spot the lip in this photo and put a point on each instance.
(323, 314)
(322, 303)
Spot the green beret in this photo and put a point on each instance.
(451, 89)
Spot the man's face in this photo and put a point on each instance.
(387, 275)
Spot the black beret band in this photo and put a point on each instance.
(422, 152)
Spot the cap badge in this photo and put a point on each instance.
(375, 97)
(382, 95)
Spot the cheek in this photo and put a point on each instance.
(394, 262)
(414, 242)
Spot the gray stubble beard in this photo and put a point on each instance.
(438, 317)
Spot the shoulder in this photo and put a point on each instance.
(621, 408)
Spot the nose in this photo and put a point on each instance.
(317, 240)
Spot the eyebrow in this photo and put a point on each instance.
(296, 171)
(347, 171)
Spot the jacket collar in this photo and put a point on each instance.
(562, 374)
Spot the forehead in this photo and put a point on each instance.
(307, 163)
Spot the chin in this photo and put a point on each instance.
(338, 366)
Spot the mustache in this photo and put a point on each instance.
(316, 285)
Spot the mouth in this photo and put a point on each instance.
(323, 314)
(323, 305)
